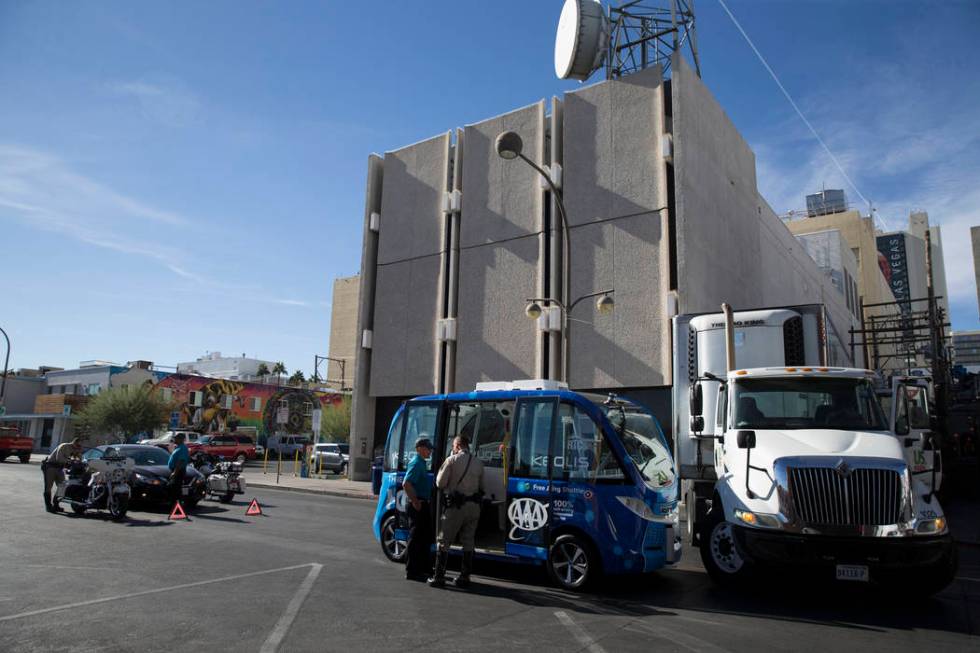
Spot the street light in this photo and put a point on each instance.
(604, 305)
(6, 361)
(509, 146)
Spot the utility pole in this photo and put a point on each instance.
(936, 343)
(3, 383)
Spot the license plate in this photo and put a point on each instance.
(852, 572)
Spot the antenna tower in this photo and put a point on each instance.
(645, 33)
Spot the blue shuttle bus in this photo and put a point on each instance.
(584, 484)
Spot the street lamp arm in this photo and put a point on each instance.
(591, 294)
(6, 362)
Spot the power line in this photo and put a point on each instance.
(794, 105)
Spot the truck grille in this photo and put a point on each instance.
(862, 497)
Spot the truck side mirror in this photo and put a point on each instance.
(696, 399)
(697, 423)
(746, 439)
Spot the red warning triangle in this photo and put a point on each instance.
(178, 512)
(253, 508)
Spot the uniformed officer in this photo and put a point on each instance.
(53, 468)
(461, 481)
(418, 491)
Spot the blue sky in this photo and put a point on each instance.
(180, 177)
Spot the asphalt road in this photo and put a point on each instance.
(308, 575)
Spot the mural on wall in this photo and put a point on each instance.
(218, 405)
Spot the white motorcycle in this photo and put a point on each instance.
(98, 484)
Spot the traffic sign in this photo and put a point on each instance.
(178, 512)
(253, 508)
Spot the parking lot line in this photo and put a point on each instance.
(289, 614)
(118, 597)
(578, 633)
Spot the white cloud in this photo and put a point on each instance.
(167, 100)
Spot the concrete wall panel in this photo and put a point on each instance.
(414, 182)
(613, 164)
(631, 346)
(501, 199)
(495, 341)
(404, 351)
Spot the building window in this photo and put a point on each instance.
(167, 394)
(256, 404)
(226, 401)
(195, 398)
(307, 409)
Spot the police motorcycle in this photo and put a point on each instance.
(97, 484)
(222, 477)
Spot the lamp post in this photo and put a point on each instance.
(509, 146)
(6, 361)
(604, 305)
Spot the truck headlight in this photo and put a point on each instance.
(757, 519)
(932, 526)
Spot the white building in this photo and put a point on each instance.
(215, 365)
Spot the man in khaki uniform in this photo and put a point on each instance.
(53, 468)
(461, 481)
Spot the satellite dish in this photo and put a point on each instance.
(580, 44)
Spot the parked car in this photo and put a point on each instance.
(150, 480)
(331, 457)
(225, 445)
(166, 441)
(287, 445)
(12, 443)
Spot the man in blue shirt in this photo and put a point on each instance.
(177, 464)
(418, 491)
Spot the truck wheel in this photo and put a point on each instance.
(393, 548)
(938, 577)
(25, 458)
(720, 553)
(572, 562)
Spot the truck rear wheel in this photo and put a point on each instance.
(722, 557)
(25, 458)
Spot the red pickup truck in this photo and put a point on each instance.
(226, 445)
(12, 443)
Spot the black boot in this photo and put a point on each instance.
(463, 580)
(438, 578)
(47, 502)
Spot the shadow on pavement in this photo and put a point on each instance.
(774, 597)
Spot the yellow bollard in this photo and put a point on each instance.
(296, 464)
(265, 458)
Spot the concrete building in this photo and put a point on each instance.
(831, 253)
(216, 366)
(966, 350)
(663, 207)
(975, 238)
(343, 331)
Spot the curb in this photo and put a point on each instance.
(347, 494)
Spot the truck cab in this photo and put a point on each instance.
(796, 464)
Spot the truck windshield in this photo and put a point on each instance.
(808, 403)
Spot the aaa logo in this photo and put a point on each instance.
(526, 515)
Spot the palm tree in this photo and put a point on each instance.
(279, 369)
(263, 370)
(298, 378)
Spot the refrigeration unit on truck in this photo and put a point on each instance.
(787, 460)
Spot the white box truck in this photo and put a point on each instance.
(787, 460)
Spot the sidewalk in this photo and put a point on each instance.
(330, 486)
